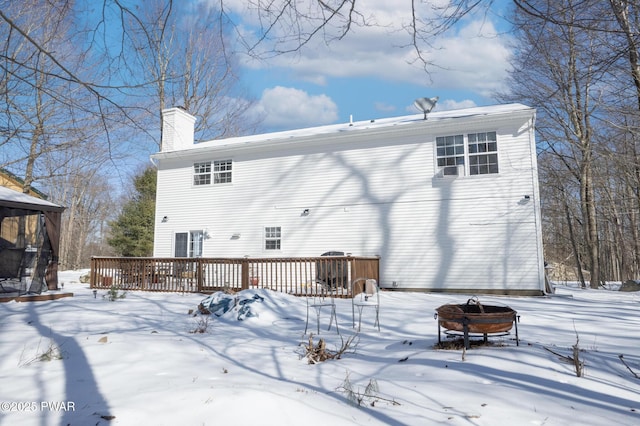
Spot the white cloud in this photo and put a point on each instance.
(384, 107)
(475, 58)
(287, 107)
(472, 56)
(449, 104)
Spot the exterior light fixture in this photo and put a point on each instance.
(305, 212)
(165, 219)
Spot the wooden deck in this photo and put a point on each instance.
(298, 276)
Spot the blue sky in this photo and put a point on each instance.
(367, 76)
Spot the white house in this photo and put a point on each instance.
(449, 203)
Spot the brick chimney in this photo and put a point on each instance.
(177, 129)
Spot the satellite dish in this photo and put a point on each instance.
(426, 104)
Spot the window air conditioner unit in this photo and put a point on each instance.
(450, 172)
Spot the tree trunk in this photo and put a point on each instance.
(574, 244)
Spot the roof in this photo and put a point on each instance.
(17, 200)
(325, 134)
(375, 124)
(19, 181)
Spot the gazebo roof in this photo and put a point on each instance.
(14, 200)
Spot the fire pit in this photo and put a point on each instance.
(475, 318)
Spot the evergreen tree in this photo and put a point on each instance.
(132, 231)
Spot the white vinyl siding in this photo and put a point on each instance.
(374, 193)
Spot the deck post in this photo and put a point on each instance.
(94, 272)
(244, 284)
(199, 274)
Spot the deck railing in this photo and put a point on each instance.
(298, 276)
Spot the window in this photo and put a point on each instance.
(189, 244)
(272, 236)
(202, 172)
(222, 171)
(483, 153)
(182, 243)
(195, 243)
(450, 154)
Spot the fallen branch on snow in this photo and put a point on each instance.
(579, 365)
(565, 358)
(627, 365)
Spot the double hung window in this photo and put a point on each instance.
(473, 154)
(208, 172)
(202, 173)
(222, 171)
(450, 151)
(272, 237)
(483, 153)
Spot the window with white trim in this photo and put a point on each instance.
(483, 153)
(474, 153)
(202, 173)
(222, 171)
(450, 154)
(205, 173)
(188, 244)
(272, 237)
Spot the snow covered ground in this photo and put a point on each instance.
(137, 361)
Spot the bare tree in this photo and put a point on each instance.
(62, 110)
(609, 183)
(80, 181)
(627, 15)
(181, 49)
(556, 69)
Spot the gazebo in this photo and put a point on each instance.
(42, 260)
